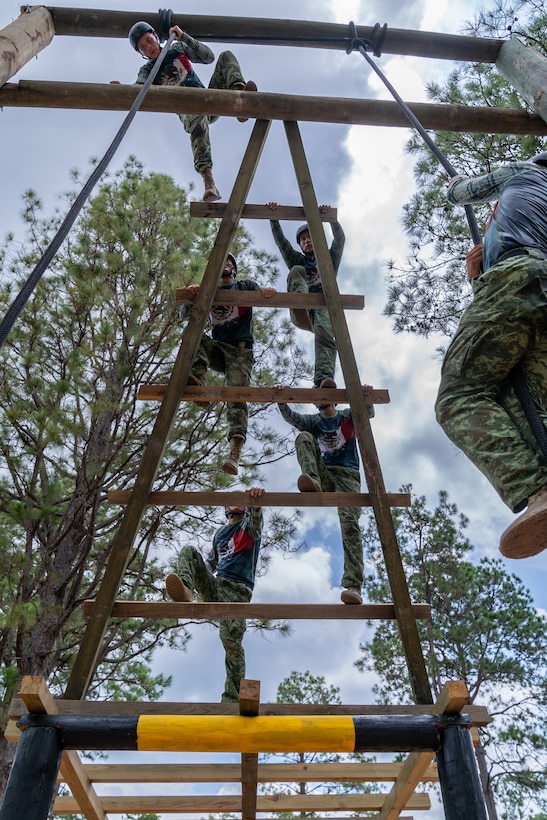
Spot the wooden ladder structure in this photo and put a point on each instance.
(35, 703)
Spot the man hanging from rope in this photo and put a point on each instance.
(504, 326)
(176, 69)
(228, 575)
(228, 350)
(304, 278)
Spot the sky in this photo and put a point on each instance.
(364, 172)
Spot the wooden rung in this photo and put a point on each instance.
(215, 210)
(282, 299)
(238, 498)
(271, 612)
(269, 395)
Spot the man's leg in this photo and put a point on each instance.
(497, 331)
(195, 573)
(227, 72)
(297, 283)
(197, 126)
(238, 369)
(325, 346)
(347, 480)
(231, 634)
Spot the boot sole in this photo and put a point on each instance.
(177, 589)
(306, 484)
(525, 537)
(229, 467)
(348, 597)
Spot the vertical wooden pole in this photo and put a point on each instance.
(31, 784)
(526, 70)
(21, 40)
(459, 777)
(367, 448)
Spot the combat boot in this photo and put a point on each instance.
(177, 589)
(250, 85)
(231, 465)
(211, 192)
(528, 534)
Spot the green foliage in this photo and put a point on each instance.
(102, 321)
(428, 292)
(484, 630)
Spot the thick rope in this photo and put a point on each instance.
(48, 255)
(517, 376)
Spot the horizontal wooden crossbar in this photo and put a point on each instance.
(287, 213)
(268, 612)
(210, 498)
(254, 298)
(269, 395)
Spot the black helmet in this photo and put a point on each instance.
(137, 30)
(234, 262)
(540, 159)
(302, 229)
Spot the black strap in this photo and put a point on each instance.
(20, 300)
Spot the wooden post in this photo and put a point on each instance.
(526, 70)
(458, 775)
(31, 784)
(23, 39)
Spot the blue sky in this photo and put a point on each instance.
(365, 173)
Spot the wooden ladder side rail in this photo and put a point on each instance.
(38, 700)
(202, 805)
(269, 395)
(221, 498)
(123, 541)
(371, 465)
(204, 611)
(452, 699)
(254, 298)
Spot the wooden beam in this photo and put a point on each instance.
(215, 210)
(254, 298)
(249, 706)
(221, 804)
(452, 699)
(270, 395)
(124, 539)
(231, 772)
(211, 498)
(263, 31)
(37, 698)
(23, 39)
(270, 612)
(361, 420)
(433, 116)
(526, 70)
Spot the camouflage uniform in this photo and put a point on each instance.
(304, 278)
(504, 326)
(176, 69)
(229, 351)
(326, 450)
(227, 576)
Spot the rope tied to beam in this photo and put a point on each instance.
(47, 257)
(518, 379)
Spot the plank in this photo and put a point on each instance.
(269, 395)
(214, 610)
(433, 116)
(38, 700)
(212, 498)
(213, 804)
(215, 210)
(254, 298)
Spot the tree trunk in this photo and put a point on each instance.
(486, 783)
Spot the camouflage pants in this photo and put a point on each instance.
(505, 325)
(337, 480)
(325, 343)
(226, 73)
(237, 364)
(196, 574)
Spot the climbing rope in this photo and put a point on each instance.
(517, 376)
(48, 255)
